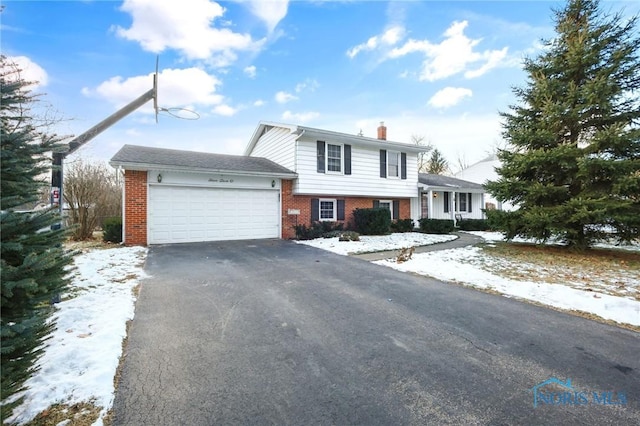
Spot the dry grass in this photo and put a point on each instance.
(608, 271)
(95, 242)
(80, 414)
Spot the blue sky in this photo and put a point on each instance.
(441, 70)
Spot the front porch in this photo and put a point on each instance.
(443, 197)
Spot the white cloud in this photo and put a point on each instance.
(493, 58)
(301, 117)
(250, 71)
(308, 84)
(259, 103)
(388, 38)
(270, 12)
(455, 54)
(29, 71)
(284, 97)
(225, 110)
(449, 96)
(166, 24)
(176, 88)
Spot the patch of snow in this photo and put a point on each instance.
(458, 265)
(82, 355)
(371, 243)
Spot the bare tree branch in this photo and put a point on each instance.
(93, 193)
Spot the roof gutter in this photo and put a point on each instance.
(360, 140)
(188, 169)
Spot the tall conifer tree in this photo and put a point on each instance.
(573, 162)
(33, 258)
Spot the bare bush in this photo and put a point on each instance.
(93, 192)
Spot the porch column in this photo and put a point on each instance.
(453, 206)
(430, 204)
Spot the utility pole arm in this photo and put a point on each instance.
(58, 157)
(110, 121)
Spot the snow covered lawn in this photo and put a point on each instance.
(81, 358)
(612, 293)
(368, 244)
(471, 266)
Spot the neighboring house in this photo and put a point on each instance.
(337, 173)
(173, 196)
(444, 197)
(481, 172)
(289, 175)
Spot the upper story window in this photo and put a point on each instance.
(334, 158)
(393, 164)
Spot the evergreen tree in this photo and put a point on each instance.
(437, 164)
(573, 162)
(33, 259)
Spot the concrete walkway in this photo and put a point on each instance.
(464, 239)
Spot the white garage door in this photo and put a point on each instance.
(186, 214)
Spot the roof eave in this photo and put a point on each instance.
(312, 133)
(449, 188)
(189, 169)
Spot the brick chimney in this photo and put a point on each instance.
(382, 131)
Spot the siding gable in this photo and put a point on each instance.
(278, 145)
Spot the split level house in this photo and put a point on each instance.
(289, 175)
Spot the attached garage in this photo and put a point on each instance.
(174, 196)
(180, 214)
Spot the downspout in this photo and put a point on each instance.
(295, 154)
(122, 204)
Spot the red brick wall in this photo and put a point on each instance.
(303, 203)
(135, 208)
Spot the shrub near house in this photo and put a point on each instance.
(436, 226)
(376, 221)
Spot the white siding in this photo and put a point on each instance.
(277, 145)
(364, 179)
(481, 173)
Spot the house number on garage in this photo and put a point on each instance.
(221, 180)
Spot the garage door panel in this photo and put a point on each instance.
(182, 214)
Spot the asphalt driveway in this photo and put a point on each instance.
(271, 332)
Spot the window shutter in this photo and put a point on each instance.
(469, 203)
(403, 165)
(446, 202)
(376, 204)
(347, 159)
(396, 209)
(383, 163)
(315, 210)
(320, 157)
(340, 210)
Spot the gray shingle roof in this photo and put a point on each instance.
(446, 181)
(144, 158)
